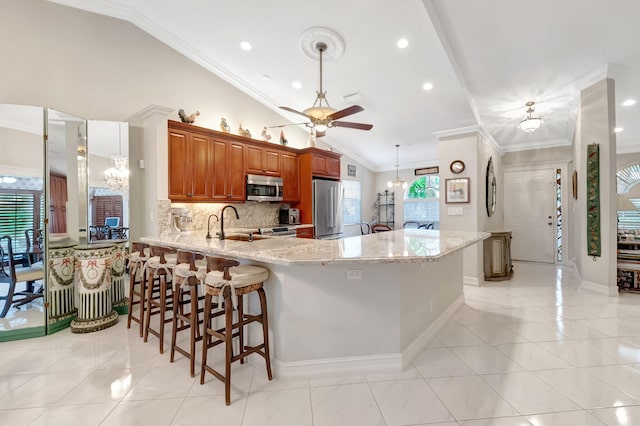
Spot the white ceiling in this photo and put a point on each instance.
(486, 59)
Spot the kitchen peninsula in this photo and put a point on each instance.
(361, 304)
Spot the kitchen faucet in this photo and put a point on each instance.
(222, 219)
(209, 225)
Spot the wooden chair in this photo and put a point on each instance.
(380, 227)
(426, 226)
(228, 280)
(411, 224)
(13, 274)
(159, 297)
(137, 258)
(34, 244)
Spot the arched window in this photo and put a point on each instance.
(422, 201)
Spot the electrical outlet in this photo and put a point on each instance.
(354, 274)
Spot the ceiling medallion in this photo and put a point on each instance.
(310, 38)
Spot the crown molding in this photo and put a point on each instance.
(551, 143)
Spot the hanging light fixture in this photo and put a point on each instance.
(117, 176)
(397, 182)
(530, 123)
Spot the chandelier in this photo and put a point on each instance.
(117, 176)
(397, 182)
(530, 123)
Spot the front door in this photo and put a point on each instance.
(529, 206)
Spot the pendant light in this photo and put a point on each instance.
(397, 182)
(530, 123)
(117, 176)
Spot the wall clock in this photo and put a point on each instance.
(491, 188)
(456, 167)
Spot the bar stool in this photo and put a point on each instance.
(137, 258)
(229, 281)
(188, 275)
(159, 270)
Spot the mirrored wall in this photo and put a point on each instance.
(57, 189)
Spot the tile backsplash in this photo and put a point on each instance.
(252, 215)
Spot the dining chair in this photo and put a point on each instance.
(365, 228)
(34, 244)
(411, 224)
(380, 227)
(15, 273)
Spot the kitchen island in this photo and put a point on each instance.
(361, 304)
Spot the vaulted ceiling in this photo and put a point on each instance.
(485, 60)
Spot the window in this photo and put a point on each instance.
(629, 219)
(352, 202)
(19, 211)
(422, 201)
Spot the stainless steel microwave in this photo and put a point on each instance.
(264, 188)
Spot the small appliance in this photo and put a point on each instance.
(264, 188)
(289, 216)
(181, 220)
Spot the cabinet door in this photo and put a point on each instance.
(236, 172)
(290, 177)
(262, 161)
(179, 174)
(219, 170)
(319, 165)
(304, 233)
(333, 167)
(198, 150)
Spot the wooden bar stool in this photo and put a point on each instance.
(137, 258)
(188, 275)
(159, 270)
(230, 281)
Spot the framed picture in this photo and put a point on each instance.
(351, 170)
(457, 190)
(427, 171)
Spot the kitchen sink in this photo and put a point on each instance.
(243, 237)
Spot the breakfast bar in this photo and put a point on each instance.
(361, 304)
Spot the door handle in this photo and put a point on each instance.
(549, 223)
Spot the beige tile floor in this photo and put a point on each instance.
(538, 350)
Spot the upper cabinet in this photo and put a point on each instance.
(262, 160)
(320, 163)
(210, 166)
(189, 177)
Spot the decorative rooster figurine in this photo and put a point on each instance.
(265, 135)
(188, 118)
(244, 132)
(283, 139)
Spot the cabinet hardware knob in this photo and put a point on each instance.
(549, 223)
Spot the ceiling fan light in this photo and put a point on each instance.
(321, 127)
(319, 113)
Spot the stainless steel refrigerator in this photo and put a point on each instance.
(327, 209)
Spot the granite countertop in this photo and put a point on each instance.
(400, 246)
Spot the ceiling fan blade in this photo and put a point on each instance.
(360, 126)
(345, 112)
(294, 111)
(285, 125)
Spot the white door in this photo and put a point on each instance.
(529, 211)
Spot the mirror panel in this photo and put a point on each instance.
(22, 207)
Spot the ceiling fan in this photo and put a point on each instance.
(321, 116)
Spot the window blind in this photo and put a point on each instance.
(19, 210)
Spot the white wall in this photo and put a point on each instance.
(596, 123)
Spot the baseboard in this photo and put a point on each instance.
(371, 364)
(599, 288)
(22, 333)
(414, 349)
(468, 280)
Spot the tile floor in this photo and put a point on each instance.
(538, 350)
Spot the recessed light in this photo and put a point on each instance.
(618, 129)
(629, 102)
(245, 45)
(403, 43)
(427, 86)
(296, 85)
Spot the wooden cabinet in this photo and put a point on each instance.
(314, 162)
(497, 256)
(304, 232)
(189, 178)
(210, 166)
(325, 166)
(290, 177)
(262, 160)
